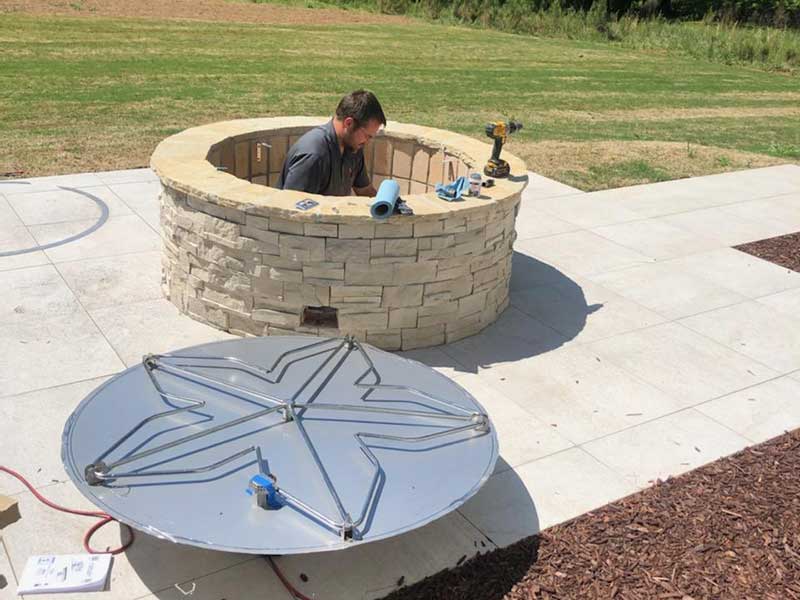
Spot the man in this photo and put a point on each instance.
(329, 159)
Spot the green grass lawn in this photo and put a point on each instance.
(80, 94)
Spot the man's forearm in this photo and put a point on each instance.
(366, 191)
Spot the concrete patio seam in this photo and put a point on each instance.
(91, 318)
(132, 209)
(750, 358)
(54, 387)
(197, 578)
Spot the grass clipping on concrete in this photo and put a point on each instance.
(95, 91)
(730, 529)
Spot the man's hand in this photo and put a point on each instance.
(366, 191)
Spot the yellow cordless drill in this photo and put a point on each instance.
(499, 131)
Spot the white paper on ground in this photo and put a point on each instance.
(65, 573)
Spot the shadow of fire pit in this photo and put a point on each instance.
(548, 309)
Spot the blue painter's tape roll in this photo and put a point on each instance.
(383, 205)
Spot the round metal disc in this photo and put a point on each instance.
(363, 444)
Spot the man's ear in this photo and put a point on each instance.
(348, 123)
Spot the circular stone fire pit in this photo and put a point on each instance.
(240, 256)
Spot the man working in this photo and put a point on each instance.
(329, 159)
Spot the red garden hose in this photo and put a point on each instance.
(104, 518)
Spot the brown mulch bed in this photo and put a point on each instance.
(198, 10)
(783, 250)
(730, 529)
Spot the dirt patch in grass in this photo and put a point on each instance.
(198, 10)
(730, 529)
(610, 164)
(672, 114)
(783, 250)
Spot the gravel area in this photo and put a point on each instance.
(730, 529)
(783, 250)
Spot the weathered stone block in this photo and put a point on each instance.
(274, 317)
(285, 275)
(428, 228)
(357, 231)
(321, 229)
(402, 318)
(438, 308)
(285, 226)
(343, 293)
(394, 228)
(324, 270)
(347, 251)
(366, 320)
(402, 296)
(307, 248)
(387, 341)
(422, 337)
(358, 274)
(405, 274)
(401, 247)
(471, 304)
(269, 237)
(385, 260)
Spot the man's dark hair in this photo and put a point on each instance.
(362, 106)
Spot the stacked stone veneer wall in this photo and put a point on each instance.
(239, 255)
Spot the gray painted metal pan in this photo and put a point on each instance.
(279, 445)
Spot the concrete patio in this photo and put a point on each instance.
(638, 346)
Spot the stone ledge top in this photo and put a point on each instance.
(181, 163)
